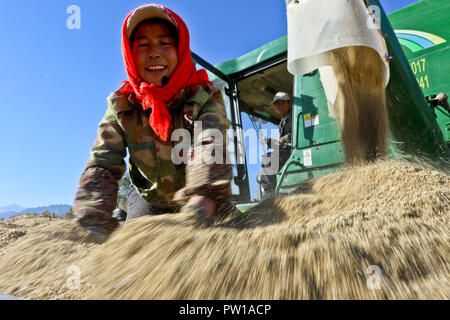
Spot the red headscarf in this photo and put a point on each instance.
(185, 76)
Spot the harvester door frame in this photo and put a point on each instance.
(241, 179)
(254, 70)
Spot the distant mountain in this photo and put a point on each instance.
(11, 208)
(58, 209)
(7, 215)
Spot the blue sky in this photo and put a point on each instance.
(54, 81)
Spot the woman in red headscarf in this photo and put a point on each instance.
(164, 99)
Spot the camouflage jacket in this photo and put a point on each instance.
(158, 179)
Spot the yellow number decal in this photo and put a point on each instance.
(423, 60)
(419, 66)
(413, 67)
(423, 82)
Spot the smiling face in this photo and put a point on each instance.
(155, 52)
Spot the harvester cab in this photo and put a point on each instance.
(417, 42)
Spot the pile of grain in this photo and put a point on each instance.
(18, 226)
(316, 244)
(45, 261)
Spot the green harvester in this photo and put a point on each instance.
(417, 39)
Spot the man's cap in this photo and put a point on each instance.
(281, 96)
(145, 12)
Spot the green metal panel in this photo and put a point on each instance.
(433, 77)
(429, 16)
(426, 25)
(259, 55)
(315, 126)
(296, 178)
(411, 120)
